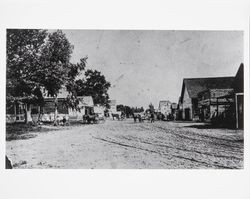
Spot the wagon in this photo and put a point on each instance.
(90, 118)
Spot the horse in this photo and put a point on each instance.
(90, 118)
(115, 115)
(139, 117)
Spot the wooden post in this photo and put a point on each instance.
(56, 112)
(15, 111)
(236, 112)
(217, 106)
(28, 113)
(39, 114)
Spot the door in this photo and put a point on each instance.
(187, 114)
(240, 112)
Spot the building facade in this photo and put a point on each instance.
(165, 107)
(51, 109)
(112, 104)
(213, 102)
(191, 87)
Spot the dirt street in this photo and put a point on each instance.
(129, 145)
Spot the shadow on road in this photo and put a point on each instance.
(206, 126)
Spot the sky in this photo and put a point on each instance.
(146, 66)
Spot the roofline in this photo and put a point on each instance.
(207, 78)
(198, 78)
(182, 87)
(241, 67)
(164, 101)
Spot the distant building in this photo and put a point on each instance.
(191, 87)
(112, 104)
(174, 107)
(165, 107)
(99, 110)
(86, 107)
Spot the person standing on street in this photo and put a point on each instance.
(152, 117)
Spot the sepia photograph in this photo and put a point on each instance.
(124, 99)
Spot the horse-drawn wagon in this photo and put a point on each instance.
(90, 118)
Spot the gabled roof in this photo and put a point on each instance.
(239, 80)
(63, 93)
(86, 101)
(197, 85)
(164, 103)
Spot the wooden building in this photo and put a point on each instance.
(233, 114)
(191, 87)
(165, 107)
(239, 97)
(52, 108)
(86, 106)
(212, 102)
(174, 107)
(15, 113)
(112, 104)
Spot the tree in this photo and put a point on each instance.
(75, 70)
(128, 111)
(24, 49)
(120, 107)
(23, 52)
(94, 84)
(137, 110)
(151, 108)
(55, 65)
(36, 61)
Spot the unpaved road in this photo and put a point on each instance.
(129, 145)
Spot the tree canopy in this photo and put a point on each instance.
(38, 63)
(55, 62)
(94, 84)
(24, 49)
(151, 108)
(129, 110)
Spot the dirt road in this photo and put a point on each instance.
(129, 145)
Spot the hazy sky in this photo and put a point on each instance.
(149, 66)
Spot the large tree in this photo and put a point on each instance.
(24, 49)
(55, 63)
(94, 84)
(75, 71)
(37, 61)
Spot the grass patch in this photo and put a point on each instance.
(20, 131)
